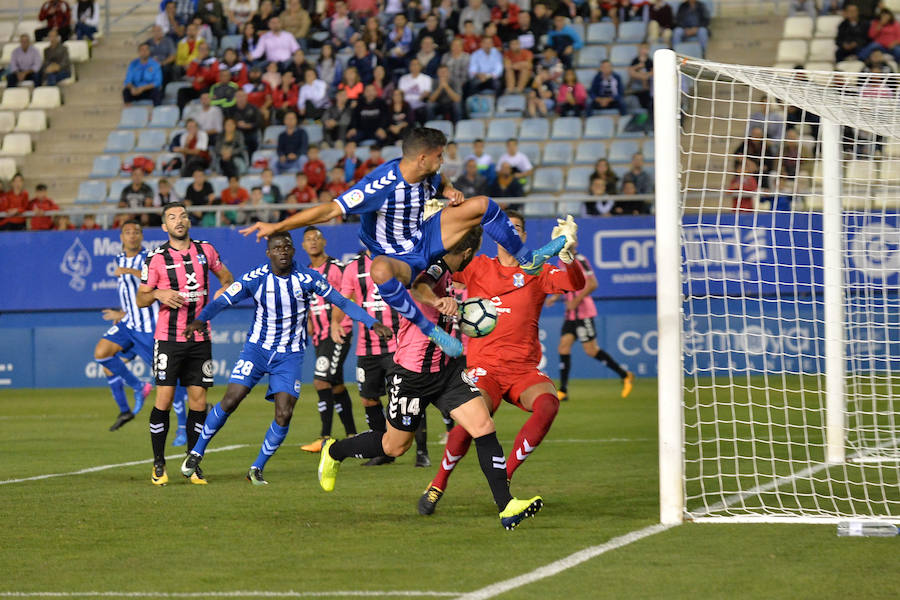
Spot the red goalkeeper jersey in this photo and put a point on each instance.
(519, 299)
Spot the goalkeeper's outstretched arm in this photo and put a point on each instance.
(309, 216)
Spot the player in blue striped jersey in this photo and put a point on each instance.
(391, 203)
(132, 332)
(275, 344)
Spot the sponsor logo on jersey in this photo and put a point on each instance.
(434, 271)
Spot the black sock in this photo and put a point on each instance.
(610, 362)
(565, 365)
(448, 423)
(326, 410)
(422, 436)
(493, 465)
(365, 445)
(194, 426)
(344, 408)
(375, 417)
(159, 430)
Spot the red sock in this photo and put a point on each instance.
(533, 431)
(458, 442)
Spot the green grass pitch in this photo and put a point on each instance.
(112, 531)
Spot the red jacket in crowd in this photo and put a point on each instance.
(16, 203)
(316, 173)
(203, 74)
(42, 223)
(56, 14)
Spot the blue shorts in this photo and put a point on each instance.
(132, 342)
(428, 249)
(284, 369)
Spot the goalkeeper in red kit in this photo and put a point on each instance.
(504, 364)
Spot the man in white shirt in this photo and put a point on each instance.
(276, 44)
(522, 167)
(208, 117)
(416, 86)
(313, 97)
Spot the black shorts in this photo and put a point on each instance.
(188, 363)
(582, 329)
(371, 371)
(330, 359)
(410, 392)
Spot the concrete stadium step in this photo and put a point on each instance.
(63, 189)
(67, 141)
(747, 40)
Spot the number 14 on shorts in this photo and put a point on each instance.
(406, 406)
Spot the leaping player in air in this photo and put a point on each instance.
(283, 292)
(391, 203)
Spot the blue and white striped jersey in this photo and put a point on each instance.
(136, 318)
(391, 210)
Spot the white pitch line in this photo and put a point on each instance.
(234, 594)
(562, 564)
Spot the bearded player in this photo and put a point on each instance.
(504, 364)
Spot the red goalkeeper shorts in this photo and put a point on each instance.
(507, 382)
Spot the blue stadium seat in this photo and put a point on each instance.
(313, 132)
(589, 151)
(500, 130)
(330, 156)
(269, 155)
(91, 192)
(534, 130)
(649, 151)
(285, 182)
(547, 180)
(557, 153)
(495, 150)
(623, 124)
(248, 182)
(270, 136)
(576, 209)
(566, 128)
(540, 209)
(601, 33)
(599, 127)
(218, 183)
(532, 150)
(392, 152)
(578, 179)
(689, 49)
(164, 117)
(632, 31)
(105, 165)
(133, 117)
(181, 185)
(590, 57)
(119, 141)
(620, 151)
(170, 95)
(442, 125)
(150, 140)
(230, 41)
(115, 189)
(468, 130)
(480, 105)
(622, 55)
(586, 77)
(511, 105)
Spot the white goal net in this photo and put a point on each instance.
(778, 264)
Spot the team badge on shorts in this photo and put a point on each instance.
(518, 279)
(322, 364)
(296, 386)
(360, 375)
(406, 420)
(207, 368)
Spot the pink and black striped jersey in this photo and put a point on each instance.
(415, 352)
(319, 307)
(357, 284)
(186, 271)
(586, 308)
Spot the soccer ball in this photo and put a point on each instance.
(477, 317)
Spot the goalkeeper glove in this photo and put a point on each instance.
(568, 228)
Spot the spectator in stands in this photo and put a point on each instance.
(329, 68)
(370, 118)
(629, 207)
(661, 22)
(169, 23)
(276, 45)
(384, 87)
(744, 185)
(25, 63)
(349, 163)
(885, 35)
(222, 93)
(352, 85)
(782, 197)
(471, 41)
(525, 33)
(471, 182)
(484, 160)
(564, 39)
(457, 61)
(137, 194)
(372, 36)
(208, 117)
(302, 193)
(336, 184)
(313, 97)
(337, 118)
(517, 66)
(398, 46)
(256, 201)
(296, 21)
(292, 145)
(184, 10)
(485, 69)
(239, 13)
(374, 160)
(452, 166)
(272, 76)
(428, 56)
(506, 185)
(249, 41)
(188, 47)
(521, 166)
(640, 77)
(601, 169)
(445, 100)
(541, 93)
(432, 30)
(877, 63)
(89, 223)
(193, 145)
(691, 22)
(162, 50)
(490, 30)
(212, 14)
(299, 64)
(230, 152)
(270, 191)
(56, 66)
(416, 86)
(602, 203)
(39, 204)
(64, 223)
(476, 12)
(852, 34)
(239, 71)
(315, 169)
(13, 201)
(341, 25)
(260, 20)
(164, 195)
(284, 97)
(400, 118)
(234, 195)
(200, 193)
(87, 19)
(607, 91)
(572, 98)
(248, 118)
(505, 15)
(755, 147)
(143, 80)
(637, 176)
(363, 60)
(203, 73)
(57, 15)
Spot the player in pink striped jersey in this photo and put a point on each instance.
(422, 375)
(328, 375)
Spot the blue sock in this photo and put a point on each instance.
(214, 422)
(178, 404)
(274, 436)
(115, 364)
(118, 392)
(497, 225)
(393, 292)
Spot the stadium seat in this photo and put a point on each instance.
(150, 140)
(330, 156)
(827, 26)
(91, 192)
(586, 77)
(115, 189)
(649, 151)
(270, 136)
(622, 55)
(313, 133)
(850, 66)
(391, 152)
(689, 49)
(442, 125)
(6, 30)
(468, 130)
(534, 130)
(621, 151)
(285, 183)
(566, 128)
(268, 155)
(588, 152)
(590, 57)
(248, 182)
(578, 179)
(15, 98)
(540, 209)
(165, 117)
(220, 182)
(181, 185)
(557, 153)
(119, 141)
(45, 96)
(792, 51)
(480, 106)
(79, 51)
(8, 168)
(133, 117)
(819, 66)
(162, 159)
(105, 165)
(7, 121)
(532, 150)
(170, 94)
(601, 33)
(547, 180)
(798, 28)
(511, 105)
(500, 130)
(821, 51)
(599, 127)
(29, 26)
(16, 144)
(495, 150)
(32, 120)
(6, 54)
(632, 31)
(230, 41)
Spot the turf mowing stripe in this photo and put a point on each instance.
(235, 594)
(115, 466)
(562, 564)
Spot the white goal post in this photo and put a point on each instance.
(778, 292)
